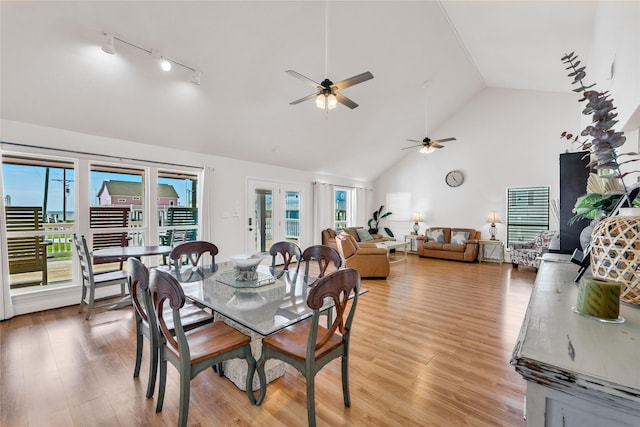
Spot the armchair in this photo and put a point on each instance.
(529, 253)
(369, 260)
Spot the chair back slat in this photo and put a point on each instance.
(83, 257)
(192, 252)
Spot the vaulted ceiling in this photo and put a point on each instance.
(427, 57)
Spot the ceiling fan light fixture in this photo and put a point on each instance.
(426, 149)
(320, 101)
(332, 102)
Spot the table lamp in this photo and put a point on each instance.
(493, 218)
(416, 218)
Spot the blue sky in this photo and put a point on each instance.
(25, 185)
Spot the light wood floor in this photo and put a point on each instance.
(430, 347)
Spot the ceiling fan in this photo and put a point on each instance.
(428, 145)
(328, 93)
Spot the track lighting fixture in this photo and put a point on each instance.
(108, 46)
(165, 63)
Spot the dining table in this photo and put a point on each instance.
(124, 252)
(274, 300)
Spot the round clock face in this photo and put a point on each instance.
(454, 179)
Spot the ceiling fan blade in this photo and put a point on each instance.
(353, 80)
(304, 79)
(345, 101)
(413, 146)
(444, 140)
(437, 146)
(414, 140)
(306, 98)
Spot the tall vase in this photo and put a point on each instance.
(615, 253)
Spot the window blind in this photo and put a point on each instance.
(527, 213)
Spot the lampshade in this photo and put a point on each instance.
(493, 218)
(320, 102)
(417, 216)
(332, 102)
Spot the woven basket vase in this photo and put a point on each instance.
(615, 254)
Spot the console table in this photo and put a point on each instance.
(579, 371)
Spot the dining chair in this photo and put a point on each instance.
(307, 346)
(91, 280)
(288, 251)
(191, 252)
(324, 255)
(194, 351)
(191, 315)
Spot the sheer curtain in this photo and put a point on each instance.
(323, 209)
(361, 211)
(206, 197)
(6, 305)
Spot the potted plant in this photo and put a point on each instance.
(374, 223)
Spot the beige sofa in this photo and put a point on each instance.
(437, 243)
(329, 236)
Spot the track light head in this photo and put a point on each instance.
(165, 64)
(108, 46)
(197, 75)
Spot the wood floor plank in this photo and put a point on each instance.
(430, 347)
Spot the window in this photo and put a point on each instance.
(41, 187)
(177, 205)
(527, 213)
(113, 187)
(342, 207)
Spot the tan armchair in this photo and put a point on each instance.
(369, 260)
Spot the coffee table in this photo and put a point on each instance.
(392, 244)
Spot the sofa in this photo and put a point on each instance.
(329, 236)
(367, 259)
(458, 244)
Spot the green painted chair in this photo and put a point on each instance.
(192, 316)
(307, 346)
(194, 351)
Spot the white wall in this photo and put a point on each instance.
(505, 138)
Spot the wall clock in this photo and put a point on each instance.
(454, 179)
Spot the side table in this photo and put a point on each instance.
(491, 251)
(412, 243)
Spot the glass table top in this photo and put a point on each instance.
(276, 300)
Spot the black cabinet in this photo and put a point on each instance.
(573, 184)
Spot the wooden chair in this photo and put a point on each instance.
(146, 326)
(324, 255)
(109, 217)
(191, 252)
(91, 280)
(288, 251)
(307, 346)
(26, 254)
(194, 351)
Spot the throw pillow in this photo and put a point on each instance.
(436, 235)
(459, 237)
(364, 235)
